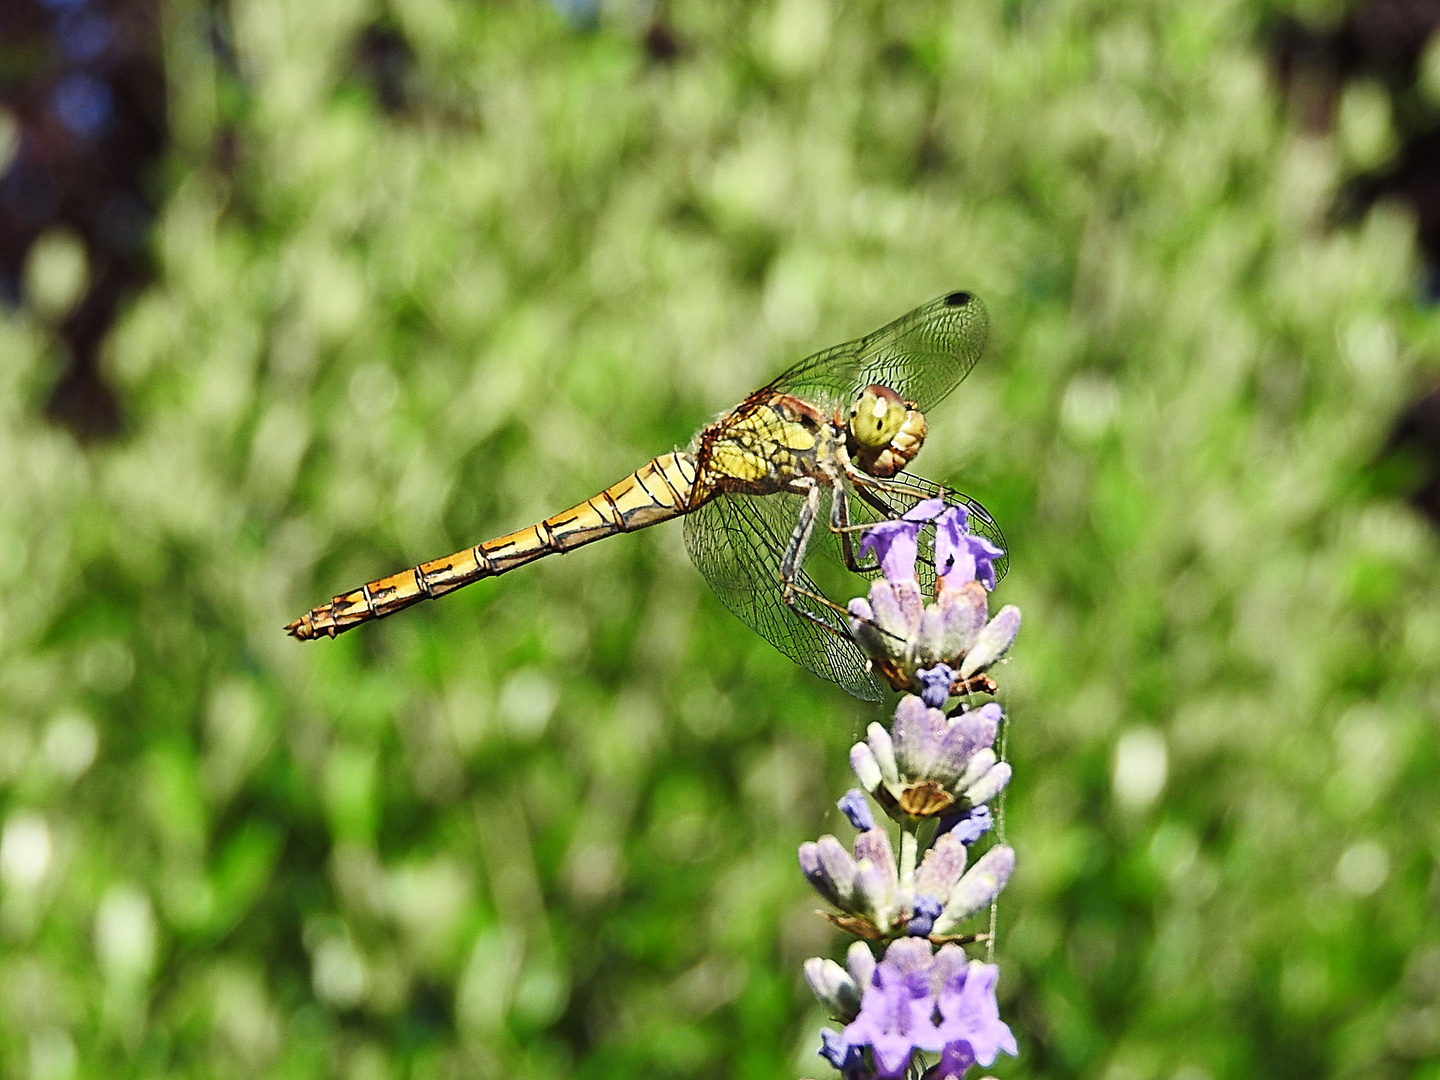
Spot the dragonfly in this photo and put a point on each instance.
(829, 441)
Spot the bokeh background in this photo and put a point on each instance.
(300, 292)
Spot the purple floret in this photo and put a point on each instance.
(843, 1057)
(896, 543)
(968, 825)
(961, 556)
(969, 1013)
(926, 910)
(857, 810)
(895, 1018)
(935, 685)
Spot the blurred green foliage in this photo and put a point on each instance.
(546, 827)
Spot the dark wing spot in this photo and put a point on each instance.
(958, 299)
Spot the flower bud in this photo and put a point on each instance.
(874, 844)
(979, 886)
(867, 769)
(834, 988)
(989, 785)
(898, 607)
(942, 866)
(917, 734)
(979, 765)
(993, 642)
(860, 963)
(857, 810)
(830, 869)
(966, 734)
(884, 750)
(862, 627)
(951, 625)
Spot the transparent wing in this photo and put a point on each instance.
(922, 356)
(896, 496)
(738, 542)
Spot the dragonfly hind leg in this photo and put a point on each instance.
(795, 555)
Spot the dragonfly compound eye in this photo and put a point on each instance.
(876, 416)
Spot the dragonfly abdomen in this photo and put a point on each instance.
(663, 488)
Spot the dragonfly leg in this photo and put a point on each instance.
(790, 566)
(840, 517)
(800, 537)
(793, 591)
(840, 525)
(878, 505)
(795, 555)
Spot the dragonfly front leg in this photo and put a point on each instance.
(840, 526)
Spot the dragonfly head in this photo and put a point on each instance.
(884, 432)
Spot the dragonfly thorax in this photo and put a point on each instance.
(884, 433)
(771, 443)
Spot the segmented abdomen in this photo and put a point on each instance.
(658, 491)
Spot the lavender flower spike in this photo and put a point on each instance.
(931, 762)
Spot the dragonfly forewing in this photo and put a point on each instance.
(922, 356)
